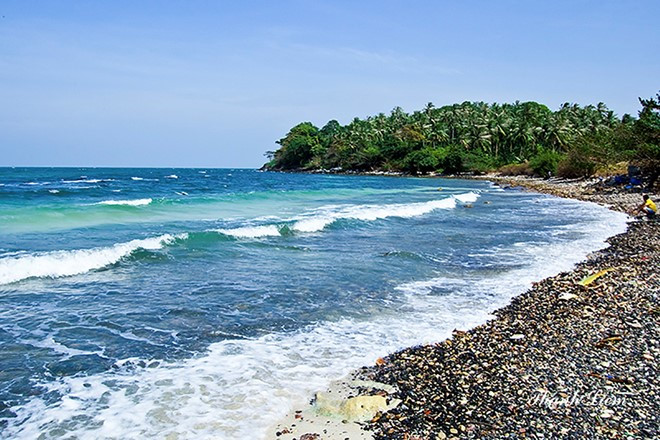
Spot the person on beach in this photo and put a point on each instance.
(648, 207)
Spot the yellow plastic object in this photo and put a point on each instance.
(590, 279)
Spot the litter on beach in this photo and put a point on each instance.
(590, 279)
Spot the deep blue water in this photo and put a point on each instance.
(149, 302)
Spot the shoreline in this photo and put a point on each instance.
(561, 359)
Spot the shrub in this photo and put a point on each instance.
(427, 159)
(575, 165)
(612, 169)
(478, 162)
(452, 162)
(545, 162)
(646, 151)
(516, 169)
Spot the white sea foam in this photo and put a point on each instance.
(68, 352)
(136, 202)
(314, 224)
(470, 197)
(239, 388)
(326, 216)
(66, 263)
(172, 176)
(137, 178)
(82, 180)
(541, 260)
(251, 231)
(319, 219)
(53, 191)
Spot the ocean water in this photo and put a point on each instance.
(204, 303)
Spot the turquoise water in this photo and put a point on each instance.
(141, 303)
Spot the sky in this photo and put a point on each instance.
(196, 83)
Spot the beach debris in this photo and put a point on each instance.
(606, 414)
(566, 296)
(590, 279)
(358, 400)
(363, 407)
(611, 378)
(359, 408)
(517, 337)
(608, 341)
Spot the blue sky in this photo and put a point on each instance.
(212, 83)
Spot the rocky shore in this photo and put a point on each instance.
(576, 356)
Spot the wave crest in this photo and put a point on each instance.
(136, 202)
(251, 231)
(66, 263)
(370, 213)
(470, 197)
(323, 217)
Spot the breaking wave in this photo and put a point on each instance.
(81, 180)
(137, 202)
(252, 231)
(318, 222)
(74, 262)
(323, 217)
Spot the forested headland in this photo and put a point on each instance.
(477, 137)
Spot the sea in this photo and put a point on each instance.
(205, 303)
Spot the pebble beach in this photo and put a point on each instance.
(573, 357)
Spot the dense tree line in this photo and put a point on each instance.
(477, 137)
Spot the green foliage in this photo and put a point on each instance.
(648, 152)
(648, 124)
(297, 147)
(516, 169)
(424, 160)
(479, 162)
(545, 162)
(452, 163)
(576, 164)
(478, 137)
